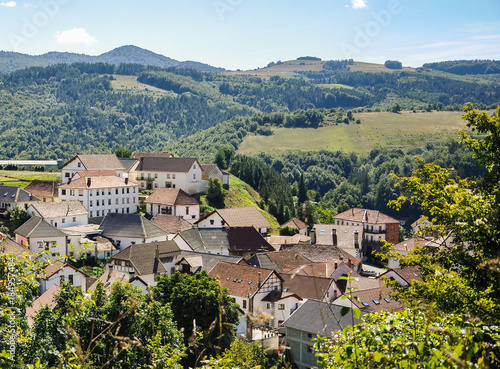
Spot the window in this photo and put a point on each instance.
(70, 279)
(211, 221)
(109, 192)
(156, 175)
(61, 279)
(74, 219)
(168, 175)
(109, 201)
(79, 164)
(51, 222)
(281, 306)
(194, 175)
(173, 176)
(116, 191)
(123, 191)
(123, 200)
(128, 200)
(63, 220)
(117, 201)
(244, 304)
(66, 174)
(187, 210)
(91, 214)
(97, 203)
(90, 202)
(268, 306)
(63, 192)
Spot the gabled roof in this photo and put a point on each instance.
(59, 209)
(36, 227)
(365, 215)
(278, 260)
(106, 181)
(209, 261)
(344, 235)
(242, 217)
(286, 241)
(316, 317)
(138, 155)
(206, 169)
(108, 278)
(171, 223)
(171, 196)
(410, 244)
(128, 163)
(166, 164)
(247, 239)
(407, 273)
(306, 286)
(241, 280)
(47, 298)
(97, 162)
(202, 239)
(129, 225)
(294, 223)
(8, 245)
(56, 267)
(143, 256)
(42, 188)
(321, 269)
(376, 299)
(15, 194)
(320, 253)
(95, 173)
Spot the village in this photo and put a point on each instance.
(289, 288)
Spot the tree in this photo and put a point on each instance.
(199, 306)
(393, 64)
(241, 355)
(18, 216)
(396, 108)
(288, 231)
(302, 190)
(223, 157)
(215, 191)
(123, 152)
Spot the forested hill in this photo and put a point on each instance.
(11, 61)
(52, 112)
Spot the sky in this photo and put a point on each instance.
(247, 34)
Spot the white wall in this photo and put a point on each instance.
(79, 279)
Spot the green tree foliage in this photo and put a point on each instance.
(18, 216)
(288, 231)
(462, 67)
(240, 355)
(123, 152)
(215, 192)
(223, 157)
(411, 339)
(302, 190)
(393, 64)
(199, 305)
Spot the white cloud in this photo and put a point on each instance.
(489, 37)
(75, 36)
(359, 4)
(9, 4)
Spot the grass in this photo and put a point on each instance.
(405, 130)
(130, 83)
(24, 177)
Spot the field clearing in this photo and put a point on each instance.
(405, 130)
(374, 68)
(286, 69)
(130, 83)
(24, 178)
(334, 85)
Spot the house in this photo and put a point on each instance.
(311, 319)
(371, 300)
(213, 171)
(246, 242)
(332, 268)
(12, 197)
(377, 227)
(152, 172)
(47, 298)
(193, 262)
(235, 217)
(173, 201)
(419, 226)
(283, 242)
(59, 272)
(46, 191)
(257, 291)
(7, 245)
(309, 287)
(209, 240)
(83, 163)
(86, 240)
(101, 194)
(297, 224)
(39, 235)
(319, 253)
(129, 229)
(60, 214)
(139, 155)
(404, 247)
(172, 224)
(278, 260)
(404, 276)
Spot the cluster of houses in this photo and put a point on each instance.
(289, 288)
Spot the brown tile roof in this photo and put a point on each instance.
(47, 298)
(320, 253)
(240, 280)
(42, 188)
(98, 162)
(171, 196)
(365, 215)
(407, 273)
(109, 278)
(410, 244)
(344, 234)
(376, 299)
(59, 209)
(287, 258)
(95, 173)
(165, 164)
(242, 217)
(99, 182)
(283, 241)
(206, 169)
(8, 245)
(171, 223)
(246, 239)
(294, 223)
(56, 267)
(322, 269)
(138, 155)
(305, 286)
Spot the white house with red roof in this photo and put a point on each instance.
(83, 163)
(59, 272)
(173, 201)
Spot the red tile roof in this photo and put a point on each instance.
(365, 215)
(47, 298)
(171, 196)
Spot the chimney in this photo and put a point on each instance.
(69, 180)
(334, 237)
(89, 181)
(126, 181)
(157, 252)
(131, 273)
(335, 294)
(349, 262)
(336, 265)
(352, 210)
(259, 282)
(356, 241)
(313, 236)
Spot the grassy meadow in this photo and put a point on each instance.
(404, 130)
(22, 178)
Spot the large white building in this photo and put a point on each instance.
(60, 214)
(102, 194)
(84, 163)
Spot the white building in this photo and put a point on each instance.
(156, 172)
(60, 214)
(83, 163)
(59, 272)
(173, 201)
(102, 195)
(38, 236)
(248, 216)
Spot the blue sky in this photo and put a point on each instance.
(247, 34)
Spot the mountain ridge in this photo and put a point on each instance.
(11, 61)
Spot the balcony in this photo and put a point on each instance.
(374, 231)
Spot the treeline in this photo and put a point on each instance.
(462, 67)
